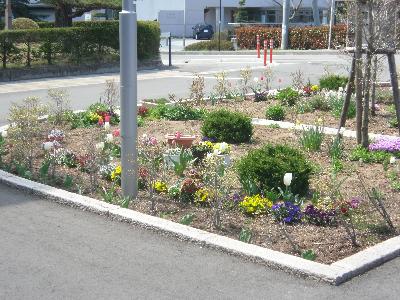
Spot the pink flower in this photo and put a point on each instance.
(116, 133)
(100, 122)
(262, 78)
(178, 135)
(153, 141)
(107, 118)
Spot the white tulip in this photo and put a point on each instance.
(106, 125)
(47, 146)
(109, 138)
(392, 160)
(4, 134)
(287, 179)
(100, 146)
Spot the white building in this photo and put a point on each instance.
(170, 13)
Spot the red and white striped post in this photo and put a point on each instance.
(265, 51)
(258, 46)
(271, 47)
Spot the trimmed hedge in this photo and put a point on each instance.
(86, 41)
(302, 38)
(210, 45)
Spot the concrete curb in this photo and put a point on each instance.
(335, 273)
(327, 130)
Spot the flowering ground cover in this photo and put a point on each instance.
(296, 191)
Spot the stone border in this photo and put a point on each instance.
(335, 273)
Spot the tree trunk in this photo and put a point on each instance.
(63, 16)
(358, 74)
(8, 15)
(373, 95)
(315, 9)
(285, 24)
(367, 82)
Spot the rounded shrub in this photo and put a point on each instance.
(275, 112)
(225, 126)
(24, 23)
(266, 167)
(333, 82)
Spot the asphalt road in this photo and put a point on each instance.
(53, 252)
(85, 90)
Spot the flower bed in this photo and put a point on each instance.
(295, 191)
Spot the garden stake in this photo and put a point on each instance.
(258, 46)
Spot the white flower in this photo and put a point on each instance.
(4, 134)
(47, 146)
(100, 146)
(216, 152)
(255, 79)
(144, 136)
(287, 179)
(117, 112)
(392, 160)
(106, 125)
(109, 138)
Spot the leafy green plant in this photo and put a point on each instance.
(361, 154)
(288, 96)
(333, 82)
(336, 154)
(187, 219)
(275, 112)
(309, 255)
(336, 107)
(225, 126)
(319, 102)
(44, 169)
(68, 182)
(267, 166)
(185, 158)
(311, 139)
(245, 235)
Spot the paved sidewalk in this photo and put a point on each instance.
(53, 252)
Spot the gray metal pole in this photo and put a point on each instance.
(219, 25)
(184, 24)
(285, 24)
(128, 86)
(331, 23)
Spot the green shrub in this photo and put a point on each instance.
(85, 42)
(288, 96)
(333, 82)
(210, 45)
(266, 167)
(225, 126)
(275, 112)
